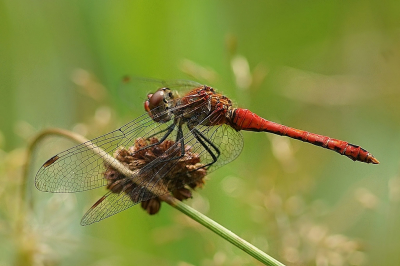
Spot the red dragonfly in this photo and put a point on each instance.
(202, 119)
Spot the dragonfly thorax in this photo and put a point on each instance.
(203, 106)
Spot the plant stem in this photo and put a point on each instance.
(222, 231)
(168, 198)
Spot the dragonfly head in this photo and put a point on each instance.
(158, 103)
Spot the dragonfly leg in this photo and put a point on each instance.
(202, 139)
(169, 131)
(179, 138)
(161, 131)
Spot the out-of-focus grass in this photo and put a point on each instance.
(329, 67)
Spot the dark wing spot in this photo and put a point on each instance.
(51, 161)
(98, 202)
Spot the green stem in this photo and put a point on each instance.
(222, 232)
(168, 198)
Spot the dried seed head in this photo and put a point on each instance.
(152, 206)
(177, 176)
(182, 193)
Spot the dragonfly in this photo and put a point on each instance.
(201, 123)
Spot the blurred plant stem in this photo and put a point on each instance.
(222, 231)
(168, 198)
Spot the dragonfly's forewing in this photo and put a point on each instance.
(80, 168)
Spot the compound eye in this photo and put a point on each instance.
(146, 106)
(155, 99)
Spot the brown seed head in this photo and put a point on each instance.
(177, 176)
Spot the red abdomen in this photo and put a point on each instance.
(243, 119)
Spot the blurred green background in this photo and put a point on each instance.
(329, 67)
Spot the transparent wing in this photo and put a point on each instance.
(223, 140)
(80, 168)
(106, 206)
(226, 139)
(112, 203)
